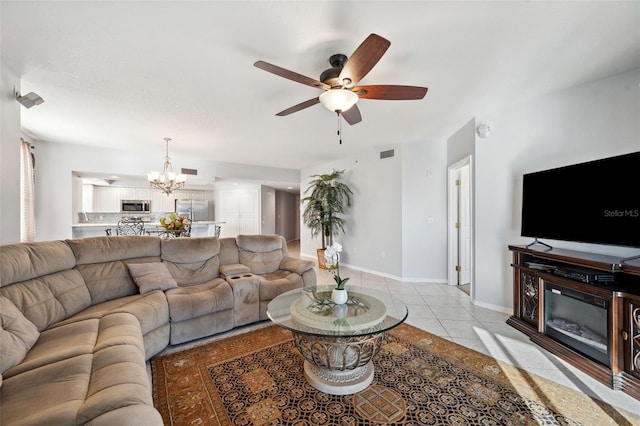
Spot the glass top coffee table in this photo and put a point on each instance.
(338, 342)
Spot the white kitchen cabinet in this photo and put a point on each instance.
(87, 203)
(128, 194)
(106, 199)
(143, 194)
(197, 195)
(182, 194)
(185, 194)
(161, 202)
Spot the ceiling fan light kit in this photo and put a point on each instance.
(338, 100)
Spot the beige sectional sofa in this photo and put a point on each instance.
(81, 317)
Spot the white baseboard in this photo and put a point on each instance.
(493, 307)
(385, 275)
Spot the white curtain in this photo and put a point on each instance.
(27, 194)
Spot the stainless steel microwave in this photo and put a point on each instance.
(135, 206)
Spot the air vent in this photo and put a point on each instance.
(386, 154)
(189, 171)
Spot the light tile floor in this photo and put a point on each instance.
(448, 312)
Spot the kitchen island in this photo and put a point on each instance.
(203, 228)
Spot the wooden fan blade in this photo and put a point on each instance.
(363, 59)
(390, 92)
(352, 115)
(294, 76)
(300, 106)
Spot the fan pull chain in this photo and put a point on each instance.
(339, 128)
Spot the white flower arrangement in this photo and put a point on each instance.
(332, 255)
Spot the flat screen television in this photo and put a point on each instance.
(594, 202)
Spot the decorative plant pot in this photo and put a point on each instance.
(339, 296)
(322, 261)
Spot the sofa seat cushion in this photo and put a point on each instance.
(59, 388)
(151, 310)
(58, 344)
(130, 415)
(272, 285)
(118, 380)
(80, 338)
(72, 387)
(200, 299)
(17, 335)
(299, 266)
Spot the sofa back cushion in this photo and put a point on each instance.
(102, 261)
(228, 251)
(40, 281)
(17, 335)
(22, 262)
(261, 253)
(192, 260)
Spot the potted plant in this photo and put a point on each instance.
(332, 255)
(328, 198)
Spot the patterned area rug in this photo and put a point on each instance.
(257, 378)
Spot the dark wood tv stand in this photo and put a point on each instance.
(623, 371)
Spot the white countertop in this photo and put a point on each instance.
(111, 225)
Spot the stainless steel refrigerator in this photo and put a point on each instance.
(193, 209)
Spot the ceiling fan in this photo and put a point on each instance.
(339, 82)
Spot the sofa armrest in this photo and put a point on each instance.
(299, 266)
(233, 269)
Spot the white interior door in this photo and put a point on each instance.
(464, 218)
(460, 222)
(240, 212)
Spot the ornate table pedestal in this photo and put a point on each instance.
(338, 365)
(338, 341)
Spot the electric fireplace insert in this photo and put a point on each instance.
(578, 320)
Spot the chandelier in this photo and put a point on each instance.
(167, 181)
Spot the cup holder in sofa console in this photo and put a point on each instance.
(246, 292)
(236, 277)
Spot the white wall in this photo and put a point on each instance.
(462, 143)
(9, 156)
(267, 210)
(596, 120)
(372, 239)
(424, 196)
(386, 230)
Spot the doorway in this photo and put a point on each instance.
(460, 225)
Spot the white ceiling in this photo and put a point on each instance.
(126, 74)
